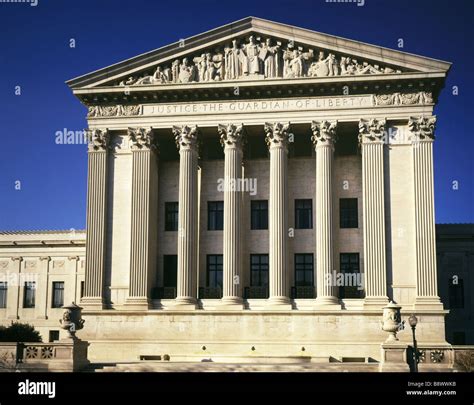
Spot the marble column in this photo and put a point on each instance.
(324, 137)
(277, 141)
(14, 289)
(371, 139)
(96, 219)
(144, 217)
(422, 136)
(232, 140)
(188, 216)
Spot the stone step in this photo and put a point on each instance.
(151, 366)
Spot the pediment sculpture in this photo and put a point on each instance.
(256, 58)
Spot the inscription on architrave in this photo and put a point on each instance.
(226, 107)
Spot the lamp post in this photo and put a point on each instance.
(413, 320)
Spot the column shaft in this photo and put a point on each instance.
(231, 139)
(187, 217)
(324, 134)
(277, 141)
(371, 135)
(144, 188)
(96, 220)
(422, 129)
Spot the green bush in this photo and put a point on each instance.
(19, 332)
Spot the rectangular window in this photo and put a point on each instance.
(348, 213)
(456, 294)
(171, 216)
(3, 294)
(303, 214)
(350, 271)
(215, 215)
(82, 288)
(259, 214)
(58, 294)
(259, 270)
(304, 270)
(53, 335)
(214, 271)
(170, 271)
(29, 294)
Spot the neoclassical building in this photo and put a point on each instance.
(256, 190)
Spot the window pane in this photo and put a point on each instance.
(170, 271)
(215, 215)
(259, 214)
(348, 213)
(259, 270)
(303, 214)
(3, 294)
(171, 216)
(58, 294)
(29, 294)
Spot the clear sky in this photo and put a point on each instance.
(43, 185)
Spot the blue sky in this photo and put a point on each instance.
(35, 54)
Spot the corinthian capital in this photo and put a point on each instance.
(277, 134)
(141, 138)
(186, 137)
(422, 128)
(372, 130)
(98, 139)
(232, 135)
(324, 133)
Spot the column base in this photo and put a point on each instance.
(331, 303)
(232, 304)
(92, 303)
(375, 302)
(279, 304)
(394, 358)
(422, 303)
(137, 303)
(185, 304)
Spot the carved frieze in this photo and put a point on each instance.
(421, 97)
(255, 57)
(114, 111)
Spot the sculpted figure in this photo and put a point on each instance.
(269, 57)
(201, 64)
(175, 71)
(249, 58)
(210, 69)
(186, 72)
(232, 62)
(160, 76)
(218, 65)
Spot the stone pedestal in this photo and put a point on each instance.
(394, 358)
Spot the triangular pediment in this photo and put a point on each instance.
(253, 49)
